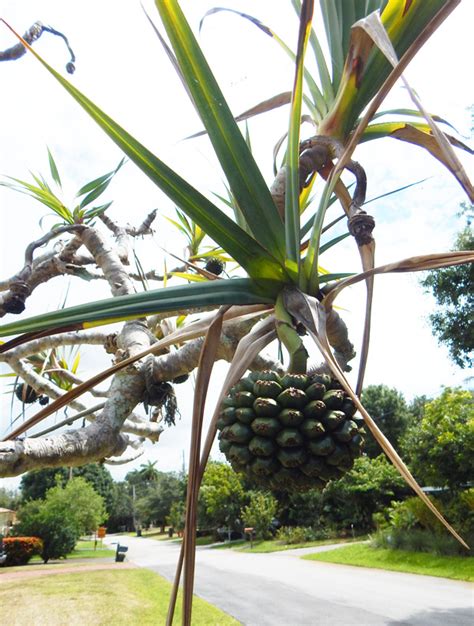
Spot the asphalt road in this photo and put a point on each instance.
(280, 589)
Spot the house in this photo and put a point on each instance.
(7, 519)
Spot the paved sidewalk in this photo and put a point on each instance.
(29, 572)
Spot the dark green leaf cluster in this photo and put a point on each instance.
(453, 290)
(439, 447)
(62, 517)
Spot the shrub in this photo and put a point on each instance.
(418, 540)
(290, 535)
(21, 549)
(259, 513)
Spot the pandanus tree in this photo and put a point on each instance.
(291, 425)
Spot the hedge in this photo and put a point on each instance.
(20, 549)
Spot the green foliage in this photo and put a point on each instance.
(9, 499)
(121, 509)
(453, 290)
(41, 191)
(222, 497)
(388, 408)
(453, 567)
(61, 518)
(259, 513)
(155, 505)
(439, 447)
(369, 487)
(21, 549)
(419, 540)
(57, 534)
(413, 518)
(412, 513)
(176, 517)
(34, 485)
(292, 535)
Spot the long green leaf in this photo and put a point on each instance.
(238, 291)
(53, 169)
(245, 179)
(243, 248)
(292, 191)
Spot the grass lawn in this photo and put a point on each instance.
(128, 597)
(273, 545)
(200, 541)
(85, 550)
(455, 567)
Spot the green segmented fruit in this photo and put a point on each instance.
(323, 379)
(264, 466)
(315, 391)
(332, 419)
(330, 472)
(224, 446)
(245, 415)
(314, 409)
(339, 455)
(238, 433)
(313, 467)
(312, 428)
(333, 398)
(267, 375)
(346, 431)
(244, 398)
(244, 384)
(289, 438)
(267, 388)
(356, 445)
(228, 415)
(239, 454)
(292, 458)
(266, 426)
(321, 447)
(266, 407)
(290, 417)
(261, 446)
(292, 398)
(228, 401)
(348, 407)
(299, 381)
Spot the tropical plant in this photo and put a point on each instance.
(284, 285)
(259, 513)
(453, 289)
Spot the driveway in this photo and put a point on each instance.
(280, 589)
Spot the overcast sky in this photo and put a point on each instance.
(121, 66)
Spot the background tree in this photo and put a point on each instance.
(439, 446)
(222, 497)
(120, 514)
(155, 505)
(453, 290)
(259, 513)
(176, 517)
(9, 499)
(62, 517)
(34, 485)
(369, 487)
(388, 408)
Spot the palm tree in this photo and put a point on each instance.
(277, 251)
(148, 472)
